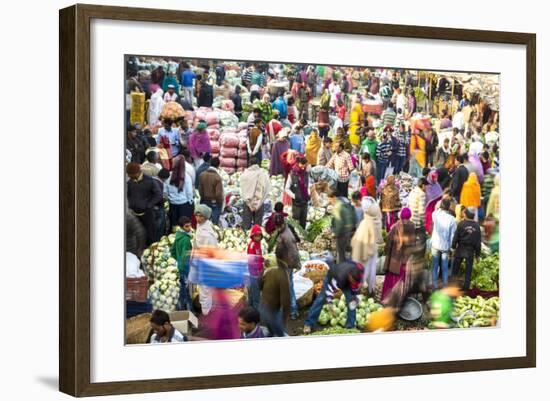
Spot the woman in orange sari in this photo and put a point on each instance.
(470, 197)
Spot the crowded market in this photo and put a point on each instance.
(274, 200)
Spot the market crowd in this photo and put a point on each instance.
(405, 162)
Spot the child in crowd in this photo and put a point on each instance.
(356, 201)
(270, 224)
(181, 251)
(249, 323)
(255, 265)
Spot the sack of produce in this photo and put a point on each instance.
(229, 140)
(243, 154)
(213, 134)
(315, 270)
(137, 111)
(228, 152)
(212, 118)
(228, 162)
(172, 110)
(229, 129)
(227, 105)
(229, 170)
(242, 126)
(303, 288)
(215, 145)
(242, 163)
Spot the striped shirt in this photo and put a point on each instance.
(341, 162)
(382, 151)
(388, 117)
(403, 142)
(417, 204)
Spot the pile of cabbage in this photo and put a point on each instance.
(236, 239)
(277, 188)
(162, 269)
(339, 313)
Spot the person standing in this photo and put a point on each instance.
(151, 166)
(470, 196)
(280, 105)
(442, 154)
(202, 168)
(313, 145)
(143, 195)
(275, 304)
(418, 154)
(205, 236)
(187, 78)
(181, 251)
(172, 134)
(255, 187)
(254, 141)
(390, 203)
(417, 204)
(343, 223)
(355, 119)
(211, 189)
(442, 236)
(273, 128)
(255, 265)
(323, 121)
(237, 102)
(287, 249)
(459, 177)
(399, 244)
(279, 147)
(135, 145)
(345, 276)
(179, 191)
(370, 144)
(296, 139)
(297, 188)
(199, 143)
(388, 116)
(383, 154)
(365, 241)
(170, 95)
(466, 245)
(400, 155)
(325, 152)
(341, 162)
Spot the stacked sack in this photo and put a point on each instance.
(214, 136)
(242, 155)
(229, 151)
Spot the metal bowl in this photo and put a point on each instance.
(411, 310)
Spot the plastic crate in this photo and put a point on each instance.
(136, 289)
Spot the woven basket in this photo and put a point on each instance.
(316, 275)
(138, 328)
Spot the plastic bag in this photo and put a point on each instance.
(301, 285)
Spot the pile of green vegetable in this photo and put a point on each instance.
(485, 311)
(485, 274)
(316, 227)
(335, 331)
(336, 314)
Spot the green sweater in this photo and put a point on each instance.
(181, 251)
(370, 145)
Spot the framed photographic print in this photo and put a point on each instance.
(264, 200)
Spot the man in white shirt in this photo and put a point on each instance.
(444, 227)
(170, 95)
(162, 330)
(458, 121)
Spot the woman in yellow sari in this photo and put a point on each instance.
(313, 144)
(418, 154)
(355, 118)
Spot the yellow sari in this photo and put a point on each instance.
(313, 144)
(355, 118)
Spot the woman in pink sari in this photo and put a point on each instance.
(399, 245)
(434, 193)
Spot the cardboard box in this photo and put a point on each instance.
(183, 320)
